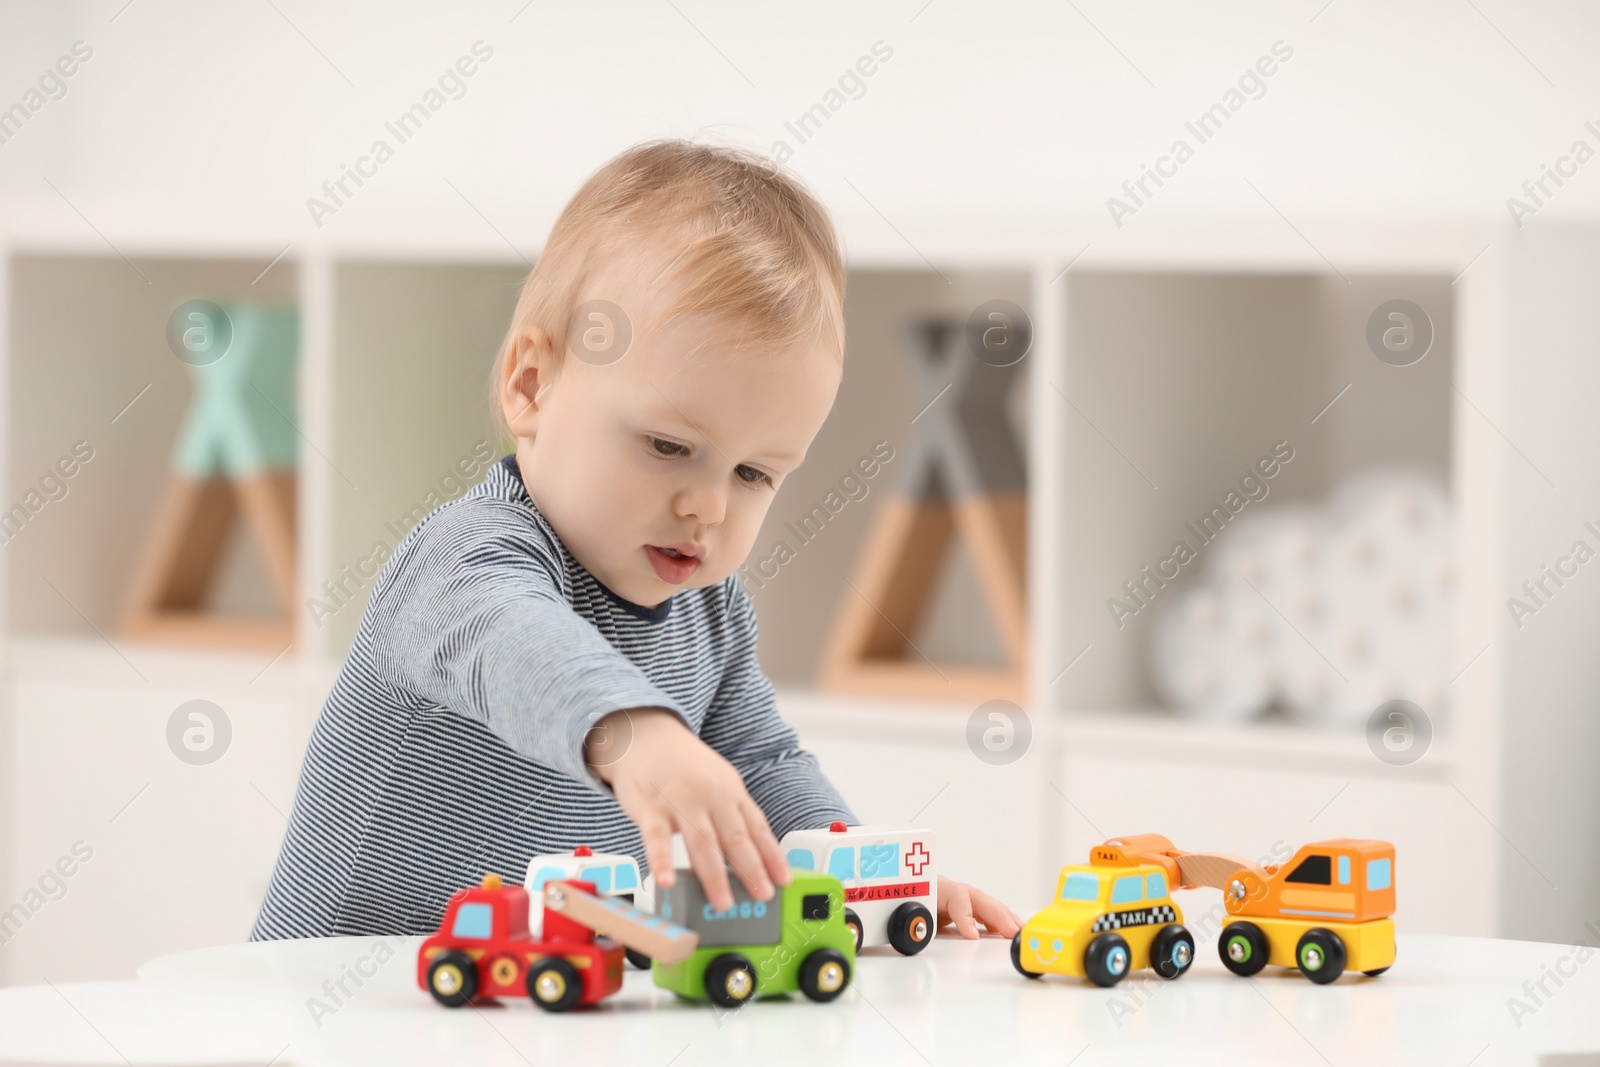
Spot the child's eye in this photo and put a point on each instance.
(667, 448)
(752, 476)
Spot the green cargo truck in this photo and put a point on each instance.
(796, 940)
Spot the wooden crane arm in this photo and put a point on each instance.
(1185, 870)
(1215, 869)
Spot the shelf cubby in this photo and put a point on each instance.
(1176, 383)
(89, 362)
(877, 401)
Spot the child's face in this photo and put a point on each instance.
(680, 444)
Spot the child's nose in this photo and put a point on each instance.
(703, 502)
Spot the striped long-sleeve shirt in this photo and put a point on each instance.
(451, 742)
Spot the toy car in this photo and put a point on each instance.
(796, 940)
(612, 874)
(483, 949)
(889, 878)
(1109, 917)
(1326, 910)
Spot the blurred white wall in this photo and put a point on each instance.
(1552, 687)
(223, 118)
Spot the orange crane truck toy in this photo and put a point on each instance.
(1325, 911)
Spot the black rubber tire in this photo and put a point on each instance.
(1172, 951)
(1102, 958)
(853, 921)
(910, 928)
(1016, 958)
(824, 975)
(638, 959)
(466, 980)
(1374, 974)
(1320, 955)
(1251, 944)
(721, 974)
(554, 984)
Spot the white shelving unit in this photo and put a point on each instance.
(398, 334)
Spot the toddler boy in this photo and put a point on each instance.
(565, 655)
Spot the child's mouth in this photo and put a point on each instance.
(670, 566)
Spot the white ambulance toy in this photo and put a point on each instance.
(613, 875)
(888, 875)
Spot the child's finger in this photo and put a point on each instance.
(995, 915)
(772, 857)
(656, 831)
(740, 850)
(707, 861)
(960, 912)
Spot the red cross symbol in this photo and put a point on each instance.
(917, 858)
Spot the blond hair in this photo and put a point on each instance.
(757, 250)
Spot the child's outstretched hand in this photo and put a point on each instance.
(668, 779)
(966, 907)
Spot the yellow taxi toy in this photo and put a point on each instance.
(1109, 917)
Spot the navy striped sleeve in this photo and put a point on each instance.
(475, 622)
(743, 725)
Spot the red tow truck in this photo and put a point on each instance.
(483, 948)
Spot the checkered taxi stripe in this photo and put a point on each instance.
(1116, 920)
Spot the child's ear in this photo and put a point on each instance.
(530, 370)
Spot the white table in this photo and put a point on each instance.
(1445, 1002)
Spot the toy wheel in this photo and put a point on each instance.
(1243, 948)
(1107, 958)
(1320, 955)
(453, 978)
(853, 921)
(638, 959)
(824, 975)
(1172, 950)
(1016, 958)
(730, 980)
(554, 985)
(1374, 974)
(910, 928)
